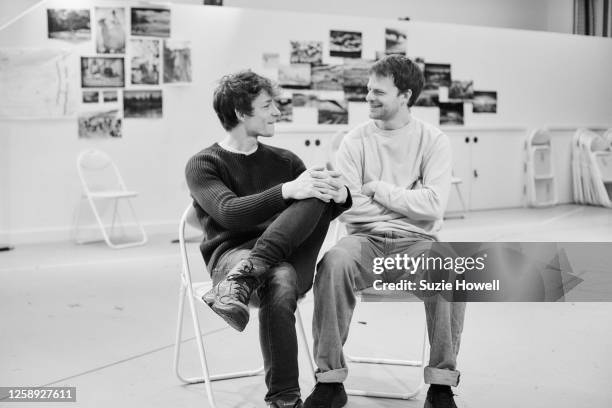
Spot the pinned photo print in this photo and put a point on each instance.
(451, 113)
(150, 22)
(304, 100)
(286, 109)
(395, 41)
(328, 77)
(437, 75)
(91, 97)
(461, 90)
(332, 112)
(484, 102)
(109, 96)
(145, 63)
(345, 44)
(100, 124)
(102, 72)
(142, 104)
(296, 76)
(110, 30)
(356, 76)
(177, 61)
(428, 98)
(309, 52)
(69, 24)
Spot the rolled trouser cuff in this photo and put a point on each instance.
(442, 377)
(332, 376)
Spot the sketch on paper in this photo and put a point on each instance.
(150, 22)
(100, 124)
(177, 61)
(69, 24)
(145, 62)
(37, 83)
(110, 30)
(102, 72)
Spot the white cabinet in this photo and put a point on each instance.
(490, 164)
(311, 147)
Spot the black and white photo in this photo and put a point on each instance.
(451, 113)
(177, 61)
(437, 75)
(145, 61)
(110, 30)
(142, 104)
(150, 22)
(395, 41)
(332, 112)
(110, 96)
(328, 77)
(102, 72)
(310, 52)
(347, 44)
(461, 90)
(484, 102)
(100, 124)
(295, 76)
(91, 97)
(69, 24)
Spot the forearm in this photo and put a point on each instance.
(427, 203)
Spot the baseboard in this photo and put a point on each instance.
(59, 234)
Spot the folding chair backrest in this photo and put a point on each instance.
(98, 172)
(189, 218)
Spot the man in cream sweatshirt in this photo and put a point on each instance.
(398, 170)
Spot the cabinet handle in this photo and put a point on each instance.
(467, 139)
(307, 142)
(476, 139)
(317, 142)
(475, 173)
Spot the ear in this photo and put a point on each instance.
(239, 115)
(408, 94)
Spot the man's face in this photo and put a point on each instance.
(384, 99)
(265, 114)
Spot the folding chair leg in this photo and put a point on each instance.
(302, 332)
(411, 393)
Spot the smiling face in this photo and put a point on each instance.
(265, 114)
(384, 99)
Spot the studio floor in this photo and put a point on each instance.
(104, 321)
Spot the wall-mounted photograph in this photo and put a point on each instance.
(177, 61)
(451, 113)
(100, 124)
(109, 96)
(345, 44)
(286, 109)
(356, 75)
(428, 98)
(461, 90)
(437, 75)
(310, 52)
(484, 102)
(69, 24)
(91, 97)
(150, 22)
(145, 63)
(328, 77)
(142, 104)
(110, 30)
(294, 76)
(332, 112)
(102, 72)
(304, 100)
(395, 41)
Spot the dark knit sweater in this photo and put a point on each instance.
(237, 196)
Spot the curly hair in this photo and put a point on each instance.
(405, 73)
(236, 93)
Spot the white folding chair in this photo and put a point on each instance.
(101, 181)
(456, 182)
(194, 291)
(338, 230)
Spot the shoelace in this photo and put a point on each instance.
(243, 290)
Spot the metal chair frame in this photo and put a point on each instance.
(188, 289)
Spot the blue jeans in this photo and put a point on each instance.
(291, 244)
(347, 268)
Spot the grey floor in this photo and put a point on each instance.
(104, 321)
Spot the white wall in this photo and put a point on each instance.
(541, 78)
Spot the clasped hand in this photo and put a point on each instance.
(316, 182)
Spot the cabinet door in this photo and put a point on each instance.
(311, 148)
(497, 178)
(462, 168)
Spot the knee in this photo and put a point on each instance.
(335, 267)
(280, 287)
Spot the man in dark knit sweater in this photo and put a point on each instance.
(265, 218)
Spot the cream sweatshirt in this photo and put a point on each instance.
(412, 169)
